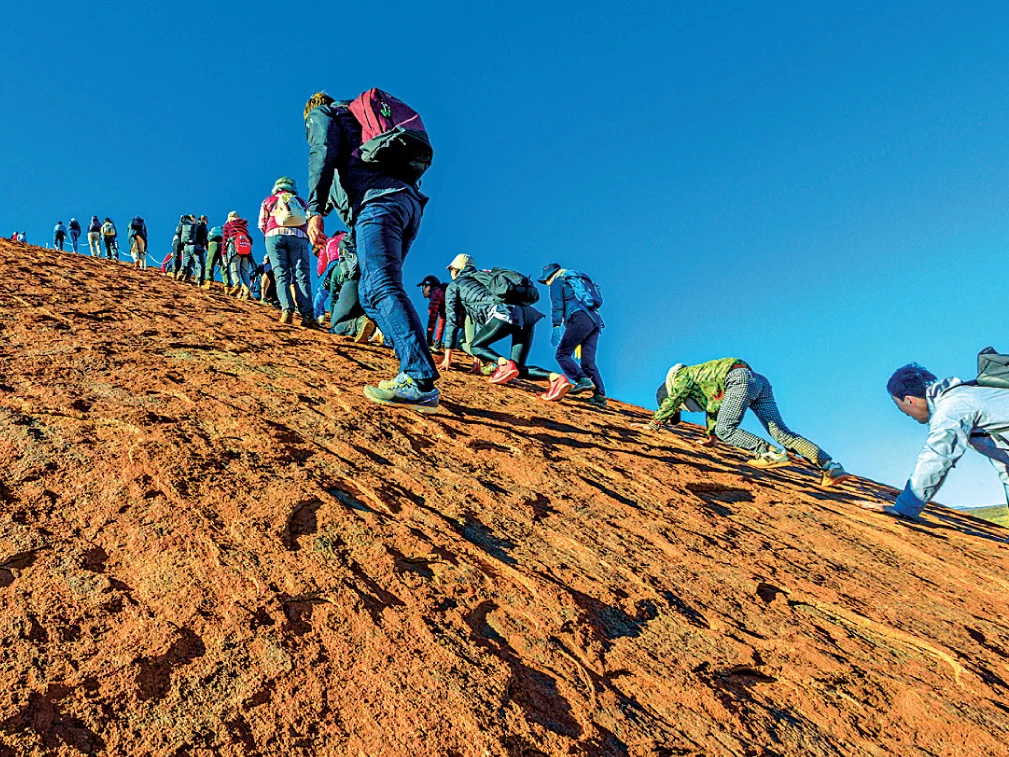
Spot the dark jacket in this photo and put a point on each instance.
(337, 178)
(200, 234)
(75, 226)
(142, 233)
(465, 296)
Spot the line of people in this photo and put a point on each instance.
(104, 233)
(366, 159)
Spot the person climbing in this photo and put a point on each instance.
(575, 301)
(379, 202)
(283, 219)
(959, 415)
(329, 257)
(75, 234)
(110, 238)
(137, 235)
(21, 237)
(433, 291)
(59, 235)
(500, 304)
(346, 314)
(178, 245)
(193, 237)
(724, 389)
(238, 254)
(215, 258)
(94, 237)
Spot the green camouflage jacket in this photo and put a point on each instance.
(704, 384)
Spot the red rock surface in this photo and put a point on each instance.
(212, 544)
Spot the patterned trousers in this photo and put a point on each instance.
(746, 389)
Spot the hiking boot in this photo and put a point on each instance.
(287, 316)
(308, 322)
(771, 459)
(597, 400)
(504, 373)
(367, 330)
(833, 474)
(207, 285)
(404, 392)
(244, 292)
(487, 369)
(559, 388)
(584, 384)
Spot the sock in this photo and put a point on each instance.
(425, 385)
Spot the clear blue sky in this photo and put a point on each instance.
(822, 192)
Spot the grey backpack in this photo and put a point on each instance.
(992, 369)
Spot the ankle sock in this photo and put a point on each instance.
(425, 385)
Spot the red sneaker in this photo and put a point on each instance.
(558, 389)
(504, 373)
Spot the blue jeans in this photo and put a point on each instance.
(240, 268)
(194, 257)
(581, 330)
(75, 238)
(289, 258)
(385, 229)
(345, 307)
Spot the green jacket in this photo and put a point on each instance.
(704, 384)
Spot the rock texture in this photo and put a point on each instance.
(212, 544)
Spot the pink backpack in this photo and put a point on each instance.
(392, 135)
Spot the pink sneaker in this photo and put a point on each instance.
(558, 390)
(504, 373)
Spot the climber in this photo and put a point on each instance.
(382, 208)
(958, 415)
(137, 235)
(575, 301)
(283, 219)
(75, 233)
(433, 291)
(238, 255)
(59, 236)
(496, 316)
(724, 389)
(110, 238)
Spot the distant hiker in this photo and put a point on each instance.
(193, 235)
(329, 258)
(238, 254)
(59, 235)
(138, 242)
(21, 237)
(959, 415)
(575, 301)
(283, 219)
(215, 257)
(724, 389)
(75, 233)
(433, 291)
(95, 237)
(267, 284)
(500, 303)
(110, 238)
(375, 194)
(178, 246)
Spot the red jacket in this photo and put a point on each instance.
(436, 315)
(233, 228)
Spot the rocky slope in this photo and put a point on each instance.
(212, 544)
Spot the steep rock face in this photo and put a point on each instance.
(212, 543)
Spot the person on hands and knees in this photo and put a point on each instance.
(724, 389)
(958, 415)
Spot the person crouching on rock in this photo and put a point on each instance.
(469, 295)
(959, 415)
(724, 389)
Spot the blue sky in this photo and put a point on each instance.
(820, 191)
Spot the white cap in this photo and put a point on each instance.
(462, 260)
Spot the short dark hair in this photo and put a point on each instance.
(910, 381)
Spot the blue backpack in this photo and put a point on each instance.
(586, 291)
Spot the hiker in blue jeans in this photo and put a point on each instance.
(384, 213)
(283, 219)
(577, 323)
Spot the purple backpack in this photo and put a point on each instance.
(392, 135)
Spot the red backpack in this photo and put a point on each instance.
(392, 135)
(242, 244)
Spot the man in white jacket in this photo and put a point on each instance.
(958, 415)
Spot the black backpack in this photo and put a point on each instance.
(992, 369)
(137, 224)
(510, 287)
